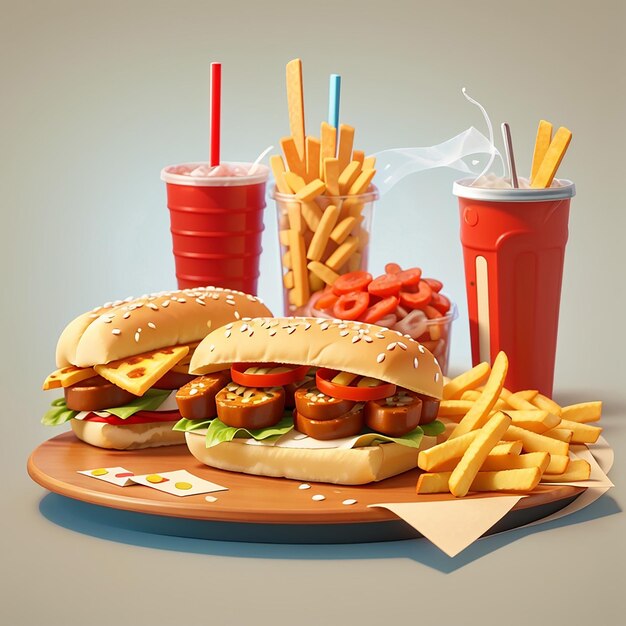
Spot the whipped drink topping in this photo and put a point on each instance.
(491, 181)
(205, 170)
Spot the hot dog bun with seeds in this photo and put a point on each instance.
(355, 347)
(134, 326)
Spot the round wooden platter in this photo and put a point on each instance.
(249, 499)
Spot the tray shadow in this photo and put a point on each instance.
(316, 542)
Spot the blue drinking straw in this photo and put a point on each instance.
(334, 93)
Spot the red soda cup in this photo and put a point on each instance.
(513, 249)
(216, 223)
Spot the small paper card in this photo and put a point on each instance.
(178, 483)
(119, 476)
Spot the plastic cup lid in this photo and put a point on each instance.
(259, 175)
(464, 189)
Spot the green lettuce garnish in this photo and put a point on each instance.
(187, 426)
(434, 428)
(411, 440)
(150, 401)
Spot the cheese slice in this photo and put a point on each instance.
(67, 376)
(138, 373)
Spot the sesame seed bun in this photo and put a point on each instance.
(355, 347)
(127, 437)
(134, 326)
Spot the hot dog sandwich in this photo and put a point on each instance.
(121, 364)
(311, 399)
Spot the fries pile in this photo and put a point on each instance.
(323, 230)
(503, 441)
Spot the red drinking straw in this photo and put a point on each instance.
(216, 95)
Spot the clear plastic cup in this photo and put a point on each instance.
(346, 250)
(434, 334)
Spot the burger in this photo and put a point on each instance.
(121, 364)
(311, 399)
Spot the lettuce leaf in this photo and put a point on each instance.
(434, 428)
(411, 440)
(187, 426)
(218, 432)
(150, 401)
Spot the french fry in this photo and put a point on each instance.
(312, 215)
(479, 413)
(348, 176)
(552, 159)
(312, 168)
(286, 260)
(583, 412)
(433, 483)
(562, 434)
(332, 170)
(473, 395)
(346, 140)
(527, 394)
(315, 282)
(295, 181)
(294, 213)
(325, 273)
(288, 280)
(537, 421)
(328, 148)
(283, 237)
(342, 253)
(300, 289)
(466, 381)
(454, 407)
(515, 480)
(506, 447)
(558, 463)
(433, 458)
(359, 155)
(311, 190)
(322, 233)
(369, 163)
(295, 104)
(501, 462)
(362, 182)
(533, 442)
(278, 169)
(546, 404)
(342, 230)
(488, 436)
(295, 163)
(578, 469)
(542, 143)
(517, 401)
(582, 433)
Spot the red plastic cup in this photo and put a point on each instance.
(513, 248)
(216, 224)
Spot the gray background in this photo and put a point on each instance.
(97, 97)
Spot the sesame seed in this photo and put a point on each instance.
(200, 301)
(211, 348)
(244, 319)
(227, 334)
(153, 306)
(391, 346)
(272, 333)
(356, 338)
(402, 345)
(139, 330)
(436, 362)
(304, 486)
(116, 331)
(325, 326)
(436, 376)
(237, 316)
(193, 391)
(106, 320)
(318, 321)
(415, 363)
(318, 497)
(421, 348)
(379, 336)
(380, 358)
(342, 326)
(137, 335)
(230, 302)
(307, 326)
(106, 305)
(349, 501)
(165, 304)
(291, 330)
(367, 339)
(151, 325)
(243, 328)
(344, 333)
(126, 315)
(228, 326)
(181, 300)
(251, 333)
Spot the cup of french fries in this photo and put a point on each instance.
(499, 441)
(324, 209)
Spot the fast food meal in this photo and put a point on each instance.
(468, 459)
(121, 364)
(324, 195)
(311, 399)
(399, 299)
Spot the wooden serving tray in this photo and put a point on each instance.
(253, 500)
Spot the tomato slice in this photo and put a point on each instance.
(435, 285)
(293, 373)
(352, 281)
(392, 268)
(410, 277)
(440, 302)
(141, 417)
(380, 310)
(323, 381)
(326, 301)
(419, 299)
(351, 306)
(385, 285)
